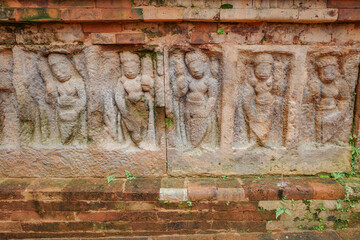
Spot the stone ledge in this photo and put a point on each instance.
(176, 189)
(177, 14)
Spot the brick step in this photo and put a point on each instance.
(92, 208)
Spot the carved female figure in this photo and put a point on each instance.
(258, 98)
(134, 98)
(201, 91)
(331, 96)
(70, 93)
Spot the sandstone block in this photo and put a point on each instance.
(103, 38)
(130, 38)
(318, 15)
(162, 14)
(206, 15)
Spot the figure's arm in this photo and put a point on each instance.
(344, 97)
(49, 81)
(120, 99)
(80, 88)
(248, 102)
(181, 84)
(147, 84)
(213, 92)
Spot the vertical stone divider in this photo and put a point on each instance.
(167, 99)
(297, 81)
(11, 128)
(356, 120)
(93, 107)
(227, 97)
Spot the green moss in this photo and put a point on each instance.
(169, 122)
(226, 6)
(39, 14)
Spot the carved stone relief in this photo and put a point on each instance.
(130, 100)
(8, 114)
(328, 100)
(260, 112)
(195, 79)
(51, 97)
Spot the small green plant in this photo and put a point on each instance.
(110, 178)
(166, 201)
(269, 231)
(292, 202)
(227, 203)
(226, 6)
(300, 227)
(338, 175)
(220, 31)
(224, 177)
(259, 177)
(269, 221)
(282, 210)
(129, 176)
(189, 203)
(319, 227)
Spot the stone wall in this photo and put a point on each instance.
(178, 88)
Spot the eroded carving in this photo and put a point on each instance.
(51, 100)
(327, 99)
(130, 101)
(195, 79)
(8, 115)
(260, 116)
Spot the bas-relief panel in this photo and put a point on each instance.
(82, 112)
(290, 112)
(97, 111)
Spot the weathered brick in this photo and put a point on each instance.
(36, 14)
(343, 4)
(24, 3)
(57, 226)
(230, 194)
(117, 216)
(14, 188)
(265, 189)
(70, 3)
(172, 183)
(103, 38)
(93, 189)
(149, 226)
(234, 206)
(201, 189)
(311, 3)
(142, 189)
(190, 225)
(101, 27)
(81, 14)
(10, 227)
(113, 4)
(297, 189)
(130, 38)
(326, 189)
(122, 14)
(349, 14)
(173, 194)
(184, 215)
(44, 216)
(46, 189)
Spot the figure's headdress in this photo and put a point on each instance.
(54, 58)
(129, 57)
(195, 55)
(263, 58)
(326, 61)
